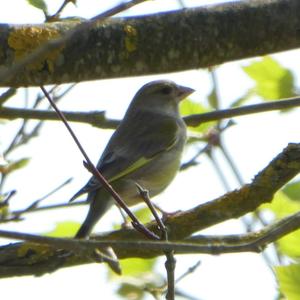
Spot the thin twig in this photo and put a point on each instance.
(21, 137)
(6, 198)
(135, 222)
(62, 185)
(197, 119)
(145, 195)
(94, 118)
(49, 207)
(97, 118)
(248, 224)
(215, 92)
(220, 145)
(256, 213)
(231, 163)
(58, 12)
(189, 271)
(7, 95)
(193, 161)
(15, 215)
(170, 265)
(35, 203)
(171, 261)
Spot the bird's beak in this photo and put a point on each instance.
(184, 91)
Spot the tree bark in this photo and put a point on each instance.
(160, 43)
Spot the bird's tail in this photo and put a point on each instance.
(99, 204)
(84, 231)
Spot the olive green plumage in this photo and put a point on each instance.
(146, 149)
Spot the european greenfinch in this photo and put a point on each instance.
(145, 149)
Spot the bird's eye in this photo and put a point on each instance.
(166, 90)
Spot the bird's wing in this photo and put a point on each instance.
(129, 150)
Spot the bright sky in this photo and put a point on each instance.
(253, 142)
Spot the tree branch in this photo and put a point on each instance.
(149, 44)
(51, 248)
(39, 48)
(197, 119)
(27, 258)
(98, 119)
(94, 118)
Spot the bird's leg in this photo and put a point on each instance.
(125, 224)
(108, 256)
(166, 214)
(154, 207)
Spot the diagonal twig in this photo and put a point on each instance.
(135, 222)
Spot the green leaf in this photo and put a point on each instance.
(136, 275)
(189, 107)
(143, 214)
(14, 165)
(289, 244)
(4, 207)
(273, 81)
(136, 269)
(289, 281)
(64, 229)
(136, 266)
(3, 162)
(292, 190)
(282, 206)
(243, 99)
(130, 291)
(40, 4)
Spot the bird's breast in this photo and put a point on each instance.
(154, 176)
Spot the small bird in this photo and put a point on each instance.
(145, 149)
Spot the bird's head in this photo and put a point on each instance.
(162, 95)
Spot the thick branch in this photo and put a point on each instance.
(250, 242)
(27, 258)
(150, 44)
(208, 244)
